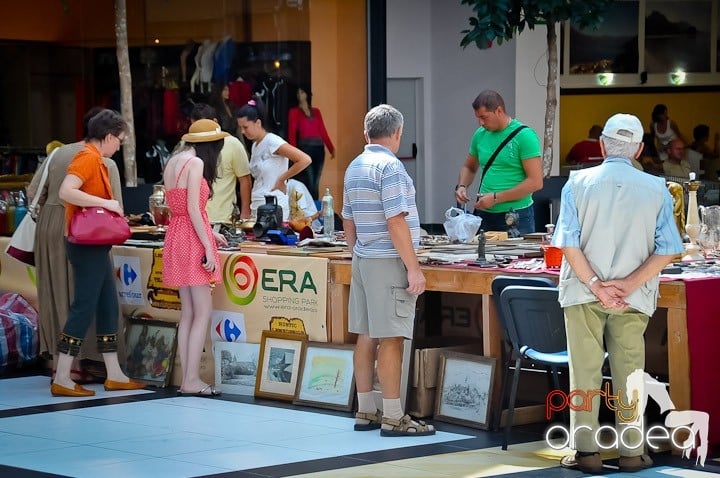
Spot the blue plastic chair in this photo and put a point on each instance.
(508, 359)
(535, 326)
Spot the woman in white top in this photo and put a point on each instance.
(664, 130)
(270, 157)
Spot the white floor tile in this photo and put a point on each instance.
(35, 391)
(69, 461)
(78, 430)
(351, 442)
(250, 455)
(13, 444)
(172, 437)
(176, 443)
(153, 468)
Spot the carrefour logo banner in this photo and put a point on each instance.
(273, 292)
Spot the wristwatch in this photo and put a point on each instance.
(460, 186)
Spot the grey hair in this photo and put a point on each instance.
(615, 148)
(382, 121)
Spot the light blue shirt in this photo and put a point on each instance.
(377, 188)
(618, 216)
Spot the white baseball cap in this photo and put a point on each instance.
(624, 127)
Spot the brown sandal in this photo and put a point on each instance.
(587, 463)
(404, 427)
(374, 420)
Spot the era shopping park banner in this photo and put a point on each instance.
(257, 292)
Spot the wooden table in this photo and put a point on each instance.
(472, 280)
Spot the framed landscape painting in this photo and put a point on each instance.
(327, 379)
(464, 390)
(236, 367)
(279, 366)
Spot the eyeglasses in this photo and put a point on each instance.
(121, 140)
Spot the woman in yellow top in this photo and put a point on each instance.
(88, 184)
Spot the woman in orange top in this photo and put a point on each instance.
(87, 184)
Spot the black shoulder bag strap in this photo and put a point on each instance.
(497, 151)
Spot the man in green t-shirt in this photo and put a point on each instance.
(512, 177)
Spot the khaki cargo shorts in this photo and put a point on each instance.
(379, 304)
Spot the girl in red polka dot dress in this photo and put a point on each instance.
(190, 256)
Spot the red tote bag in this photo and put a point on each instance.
(98, 227)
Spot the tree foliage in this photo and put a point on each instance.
(500, 20)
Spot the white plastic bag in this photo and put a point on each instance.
(461, 226)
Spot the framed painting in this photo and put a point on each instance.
(150, 349)
(279, 364)
(464, 390)
(236, 366)
(326, 377)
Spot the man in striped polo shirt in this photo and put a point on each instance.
(382, 228)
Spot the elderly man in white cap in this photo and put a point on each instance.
(617, 232)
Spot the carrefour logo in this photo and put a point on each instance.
(127, 274)
(241, 279)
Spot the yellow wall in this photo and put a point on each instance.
(687, 110)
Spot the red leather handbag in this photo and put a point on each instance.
(98, 227)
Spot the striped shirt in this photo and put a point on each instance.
(377, 188)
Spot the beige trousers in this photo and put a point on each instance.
(592, 329)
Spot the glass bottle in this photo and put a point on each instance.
(328, 214)
(20, 209)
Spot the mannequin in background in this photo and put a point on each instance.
(195, 79)
(187, 50)
(207, 60)
(306, 131)
(220, 100)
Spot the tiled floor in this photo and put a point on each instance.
(157, 434)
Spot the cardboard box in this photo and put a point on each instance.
(426, 367)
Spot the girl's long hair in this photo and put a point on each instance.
(209, 152)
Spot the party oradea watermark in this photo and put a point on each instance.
(630, 413)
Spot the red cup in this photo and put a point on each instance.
(553, 256)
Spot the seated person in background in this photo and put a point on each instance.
(676, 164)
(587, 150)
(664, 130)
(650, 159)
(711, 157)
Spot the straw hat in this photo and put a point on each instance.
(203, 131)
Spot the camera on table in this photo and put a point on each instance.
(269, 216)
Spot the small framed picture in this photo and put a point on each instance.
(326, 378)
(150, 348)
(278, 370)
(236, 366)
(464, 390)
